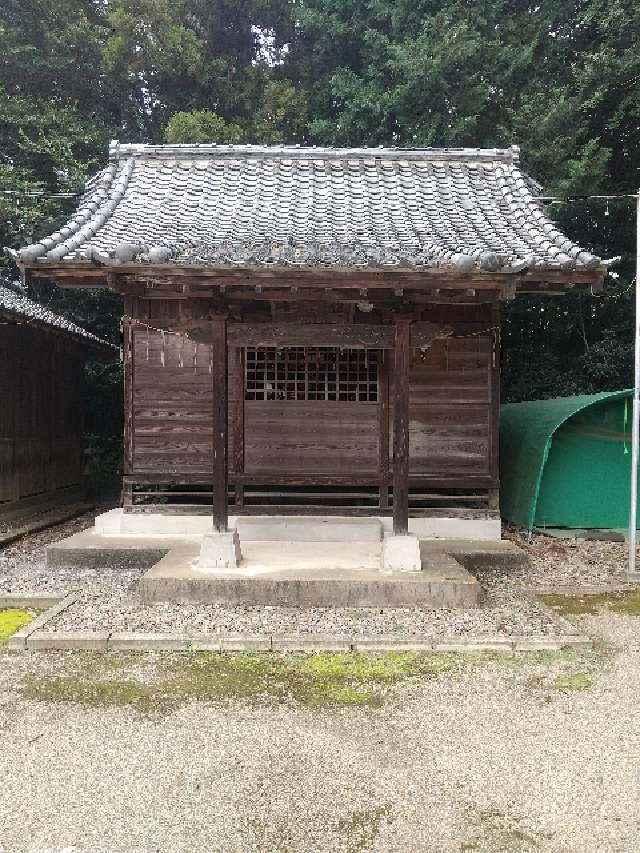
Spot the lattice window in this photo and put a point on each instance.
(311, 373)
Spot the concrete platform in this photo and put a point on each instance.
(309, 575)
(308, 529)
(297, 574)
(478, 525)
(320, 561)
(91, 550)
(476, 554)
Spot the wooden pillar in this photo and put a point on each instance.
(383, 429)
(128, 360)
(494, 403)
(220, 427)
(237, 418)
(401, 363)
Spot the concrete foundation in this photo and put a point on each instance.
(442, 583)
(482, 526)
(401, 553)
(300, 562)
(219, 551)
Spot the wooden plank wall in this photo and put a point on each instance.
(451, 412)
(172, 405)
(450, 407)
(41, 421)
(306, 437)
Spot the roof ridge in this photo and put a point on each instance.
(118, 150)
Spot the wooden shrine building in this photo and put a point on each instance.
(312, 330)
(42, 359)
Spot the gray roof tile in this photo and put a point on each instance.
(255, 206)
(15, 303)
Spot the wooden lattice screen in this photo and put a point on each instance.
(311, 373)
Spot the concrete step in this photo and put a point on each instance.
(262, 556)
(305, 581)
(319, 529)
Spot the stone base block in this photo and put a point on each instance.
(477, 525)
(219, 551)
(401, 554)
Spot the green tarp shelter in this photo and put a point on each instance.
(566, 462)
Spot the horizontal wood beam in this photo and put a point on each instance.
(309, 335)
(356, 335)
(90, 275)
(442, 481)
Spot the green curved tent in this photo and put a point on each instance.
(566, 462)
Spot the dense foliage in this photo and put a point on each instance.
(561, 78)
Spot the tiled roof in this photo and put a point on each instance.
(252, 206)
(14, 303)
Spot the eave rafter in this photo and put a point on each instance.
(169, 281)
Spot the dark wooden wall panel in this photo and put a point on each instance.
(450, 407)
(171, 404)
(289, 437)
(41, 418)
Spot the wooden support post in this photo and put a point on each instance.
(237, 419)
(128, 360)
(494, 404)
(220, 425)
(401, 362)
(383, 429)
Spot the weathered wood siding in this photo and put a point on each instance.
(450, 408)
(171, 405)
(452, 411)
(41, 421)
(307, 437)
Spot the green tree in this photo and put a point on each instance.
(201, 126)
(559, 78)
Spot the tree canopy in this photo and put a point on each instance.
(559, 78)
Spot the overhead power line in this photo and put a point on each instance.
(38, 194)
(545, 199)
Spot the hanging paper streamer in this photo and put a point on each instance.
(181, 352)
(195, 357)
(162, 349)
(147, 343)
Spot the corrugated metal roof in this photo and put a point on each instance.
(22, 307)
(255, 206)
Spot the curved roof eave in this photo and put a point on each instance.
(461, 210)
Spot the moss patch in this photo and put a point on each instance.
(361, 828)
(164, 683)
(501, 832)
(160, 683)
(11, 621)
(579, 681)
(626, 603)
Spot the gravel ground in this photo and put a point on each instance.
(108, 599)
(488, 758)
(108, 602)
(485, 758)
(23, 565)
(558, 563)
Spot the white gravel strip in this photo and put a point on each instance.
(120, 611)
(108, 600)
